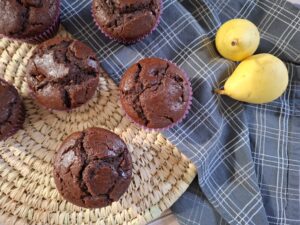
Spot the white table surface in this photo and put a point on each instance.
(168, 218)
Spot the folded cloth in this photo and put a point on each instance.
(248, 156)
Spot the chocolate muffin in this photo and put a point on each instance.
(29, 19)
(155, 93)
(92, 168)
(126, 20)
(12, 110)
(63, 73)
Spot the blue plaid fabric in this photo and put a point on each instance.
(248, 156)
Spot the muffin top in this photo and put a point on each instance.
(155, 93)
(11, 108)
(27, 18)
(126, 20)
(63, 73)
(92, 168)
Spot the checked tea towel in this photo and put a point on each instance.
(248, 156)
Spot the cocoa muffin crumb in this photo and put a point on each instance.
(12, 110)
(126, 20)
(27, 18)
(155, 93)
(63, 73)
(92, 168)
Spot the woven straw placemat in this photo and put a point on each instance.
(27, 191)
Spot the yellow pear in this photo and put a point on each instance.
(237, 39)
(258, 79)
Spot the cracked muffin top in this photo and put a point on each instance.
(126, 20)
(12, 111)
(63, 74)
(92, 168)
(27, 18)
(155, 93)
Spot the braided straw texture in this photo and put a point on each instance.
(27, 191)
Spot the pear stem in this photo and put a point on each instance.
(220, 91)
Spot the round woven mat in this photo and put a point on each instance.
(27, 191)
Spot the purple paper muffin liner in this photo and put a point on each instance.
(132, 41)
(45, 35)
(188, 107)
(48, 34)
